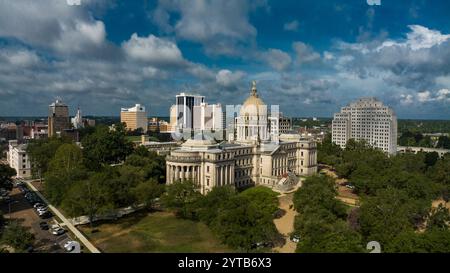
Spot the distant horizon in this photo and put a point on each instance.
(159, 116)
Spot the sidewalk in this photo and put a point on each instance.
(66, 222)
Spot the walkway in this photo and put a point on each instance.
(66, 222)
(285, 224)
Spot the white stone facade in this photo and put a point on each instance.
(366, 119)
(250, 159)
(18, 159)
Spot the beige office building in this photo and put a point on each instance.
(366, 119)
(134, 117)
(250, 159)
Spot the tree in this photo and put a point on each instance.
(17, 237)
(106, 146)
(319, 192)
(322, 237)
(182, 196)
(431, 158)
(241, 225)
(6, 174)
(87, 197)
(439, 218)
(64, 169)
(153, 165)
(444, 142)
(147, 192)
(41, 152)
(263, 198)
(210, 204)
(384, 216)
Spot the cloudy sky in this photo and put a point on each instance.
(310, 57)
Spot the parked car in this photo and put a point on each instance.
(295, 238)
(57, 230)
(39, 205)
(70, 245)
(41, 211)
(46, 215)
(43, 225)
(4, 193)
(23, 189)
(350, 186)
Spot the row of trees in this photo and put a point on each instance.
(396, 195)
(416, 139)
(83, 182)
(240, 220)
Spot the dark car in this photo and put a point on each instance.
(46, 215)
(44, 225)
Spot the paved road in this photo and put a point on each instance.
(79, 236)
(22, 211)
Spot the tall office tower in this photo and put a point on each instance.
(185, 109)
(208, 117)
(58, 118)
(285, 124)
(366, 119)
(134, 117)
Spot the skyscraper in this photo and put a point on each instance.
(134, 117)
(366, 119)
(208, 117)
(58, 118)
(185, 109)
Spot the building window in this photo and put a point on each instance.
(207, 169)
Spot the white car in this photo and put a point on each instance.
(70, 246)
(41, 209)
(39, 205)
(42, 212)
(57, 229)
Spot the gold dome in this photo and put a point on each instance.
(253, 103)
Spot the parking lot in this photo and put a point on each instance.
(19, 208)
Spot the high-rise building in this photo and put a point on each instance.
(366, 119)
(185, 109)
(285, 124)
(208, 117)
(58, 118)
(134, 118)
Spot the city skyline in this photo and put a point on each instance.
(308, 66)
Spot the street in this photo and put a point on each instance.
(19, 209)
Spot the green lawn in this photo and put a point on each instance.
(133, 138)
(154, 232)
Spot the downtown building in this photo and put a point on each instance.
(58, 118)
(249, 157)
(134, 118)
(366, 119)
(18, 159)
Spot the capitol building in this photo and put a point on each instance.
(255, 154)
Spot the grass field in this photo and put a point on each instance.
(133, 138)
(154, 232)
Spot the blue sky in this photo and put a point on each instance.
(310, 57)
